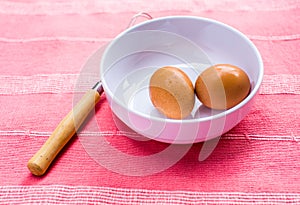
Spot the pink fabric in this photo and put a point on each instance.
(43, 46)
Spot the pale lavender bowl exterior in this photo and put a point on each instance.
(223, 44)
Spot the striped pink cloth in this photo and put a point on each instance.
(45, 44)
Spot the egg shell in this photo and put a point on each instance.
(172, 92)
(222, 86)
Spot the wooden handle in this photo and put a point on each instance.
(40, 162)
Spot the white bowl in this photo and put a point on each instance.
(190, 43)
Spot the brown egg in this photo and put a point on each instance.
(172, 92)
(222, 86)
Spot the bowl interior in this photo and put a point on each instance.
(189, 43)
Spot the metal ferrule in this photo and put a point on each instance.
(98, 87)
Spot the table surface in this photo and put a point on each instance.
(45, 46)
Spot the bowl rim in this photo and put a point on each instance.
(251, 95)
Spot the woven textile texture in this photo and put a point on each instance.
(43, 48)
